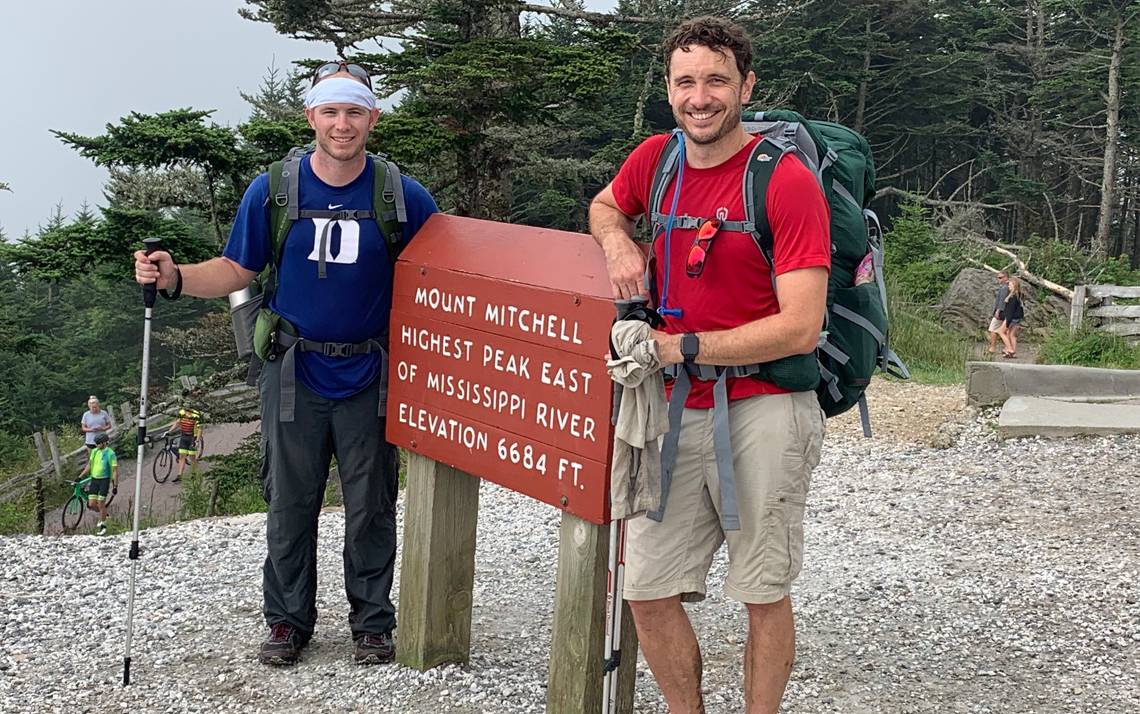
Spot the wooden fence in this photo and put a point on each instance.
(1097, 306)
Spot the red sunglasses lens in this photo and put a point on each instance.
(696, 262)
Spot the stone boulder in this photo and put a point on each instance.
(967, 304)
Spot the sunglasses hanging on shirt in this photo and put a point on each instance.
(702, 244)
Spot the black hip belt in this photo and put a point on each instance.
(287, 345)
(286, 341)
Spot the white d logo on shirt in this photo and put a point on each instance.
(349, 242)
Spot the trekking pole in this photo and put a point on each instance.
(616, 576)
(150, 292)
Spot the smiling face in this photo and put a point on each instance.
(707, 92)
(342, 129)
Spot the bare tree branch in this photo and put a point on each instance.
(892, 191)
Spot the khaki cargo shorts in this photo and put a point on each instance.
(776, 440)
(995, 324)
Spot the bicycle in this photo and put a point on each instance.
(73, 510)
(165, 459)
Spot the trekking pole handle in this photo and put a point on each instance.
(150, 290)
(625, 307)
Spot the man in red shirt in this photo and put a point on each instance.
(724, 309)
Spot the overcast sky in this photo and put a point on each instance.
(77, 65)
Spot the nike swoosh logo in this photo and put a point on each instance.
(333, 208)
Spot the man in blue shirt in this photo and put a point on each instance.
(334, 287)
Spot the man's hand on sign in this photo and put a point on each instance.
(625, 264)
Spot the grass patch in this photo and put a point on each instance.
(1088, 348)
(16, 517)
(933, 354)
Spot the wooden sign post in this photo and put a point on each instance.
(496, 347)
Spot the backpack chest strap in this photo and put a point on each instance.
(692, 223)
(337, 215)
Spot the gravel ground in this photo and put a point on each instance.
(978, 576)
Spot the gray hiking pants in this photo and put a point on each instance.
(295, 463)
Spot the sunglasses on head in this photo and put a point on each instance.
(330, 68)
(702, 244)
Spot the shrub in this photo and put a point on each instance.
(920, 267)
(1088, 348)
(236, 477)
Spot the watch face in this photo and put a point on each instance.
(690, 345)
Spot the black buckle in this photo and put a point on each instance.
(337, 349)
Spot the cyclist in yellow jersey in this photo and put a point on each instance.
(189, 428)
(104, 470)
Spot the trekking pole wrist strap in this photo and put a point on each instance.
(177, 286)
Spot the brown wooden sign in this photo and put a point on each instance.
(496, 358)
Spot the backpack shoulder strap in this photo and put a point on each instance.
(284, 201)
(283, 210)
(666, 169)
(785, 138)
(758, 172)
(388, 203)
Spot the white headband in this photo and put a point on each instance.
(339, 90)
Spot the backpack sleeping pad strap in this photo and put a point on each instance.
(389, 210)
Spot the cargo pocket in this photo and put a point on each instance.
(784, 550)
(263, 472)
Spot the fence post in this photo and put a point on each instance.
(39, 492)
(41, 449)
(1077, 313)
(128, 415)
(437, 575)
(578, 633)
(53, 446)
(212, 504)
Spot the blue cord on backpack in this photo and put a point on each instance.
(664, 309)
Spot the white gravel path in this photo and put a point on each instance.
(988, 577)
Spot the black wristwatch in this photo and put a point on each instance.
(690, 346)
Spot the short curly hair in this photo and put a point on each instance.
(717, 34)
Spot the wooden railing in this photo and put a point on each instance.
(1097, 306)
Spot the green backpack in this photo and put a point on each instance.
(854, 341)
(388, 210)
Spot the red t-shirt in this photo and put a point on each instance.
(736, 285)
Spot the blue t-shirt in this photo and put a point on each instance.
(352, 303)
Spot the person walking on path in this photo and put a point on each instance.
(1013, 313)
(103, 466)
(95, 421)
(333, 297)
(725, 309)
(997, 318)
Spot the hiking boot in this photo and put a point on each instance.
(375, 648)
(283, 646)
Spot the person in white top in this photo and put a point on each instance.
(95, 421)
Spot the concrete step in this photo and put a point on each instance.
(992, 383)
(1038, 416)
